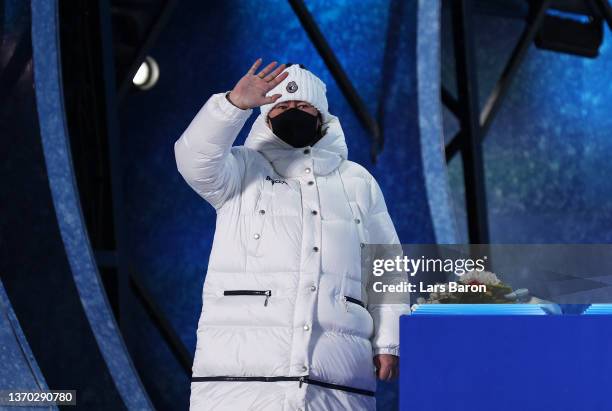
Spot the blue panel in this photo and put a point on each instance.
(599, 309)
(506, 363)
(479, 309)
(67, 206)
(19, 370)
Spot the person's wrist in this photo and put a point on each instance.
(233, 101)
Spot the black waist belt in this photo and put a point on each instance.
(302, 379)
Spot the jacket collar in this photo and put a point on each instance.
(324, 157)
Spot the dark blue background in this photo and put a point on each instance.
(546, 162)
(547, 155)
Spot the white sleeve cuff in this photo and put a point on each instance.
(387, 350)
(230, 110)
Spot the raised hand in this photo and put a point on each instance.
(251, 89)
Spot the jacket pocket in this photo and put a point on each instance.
(266, 293)
(358, 308)
(350, 300)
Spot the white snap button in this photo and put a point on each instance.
(306, 327)
(313, 288)
(357, 221)
(308, 170)
(304, 368)
(256, 236)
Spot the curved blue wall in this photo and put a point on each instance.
(62, 181)
(34, 265)
(19, 369)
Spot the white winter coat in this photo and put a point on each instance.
(286, 252)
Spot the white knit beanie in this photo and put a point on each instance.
(302, 85)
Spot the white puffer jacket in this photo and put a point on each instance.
(276, 332)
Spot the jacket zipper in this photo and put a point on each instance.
(267, 293)
(301, 379)
(348, 299)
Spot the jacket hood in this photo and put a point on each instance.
(325, 156)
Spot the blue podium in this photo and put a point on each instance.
(506, 362)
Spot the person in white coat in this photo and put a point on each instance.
(284, 325)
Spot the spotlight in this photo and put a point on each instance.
(147, 75)
(571, 27)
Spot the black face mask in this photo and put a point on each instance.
(296, 127)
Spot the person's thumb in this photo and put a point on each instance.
(271, 99)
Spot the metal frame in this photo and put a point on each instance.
(518, 55)
(467, 87)
(334, 66)
(114, 153)
(476, 123)
(605, 9)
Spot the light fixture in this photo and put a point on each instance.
(147, 75)
(572, 27)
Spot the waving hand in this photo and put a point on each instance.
(251, 89)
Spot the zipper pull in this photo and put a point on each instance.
(301, 381)
(268, 294)
(345, 303)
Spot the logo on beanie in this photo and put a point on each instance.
(292, 87)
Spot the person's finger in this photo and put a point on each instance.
(275, 73)
(383, 373)
(272, 99)
(254, 66)
(265, 71)
(376, 365)
(273, 83)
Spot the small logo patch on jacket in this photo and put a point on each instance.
(275, 180)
